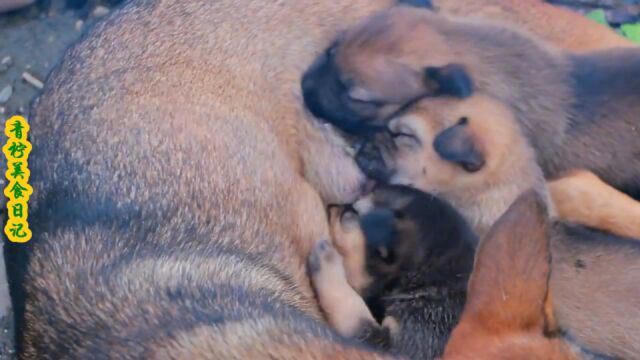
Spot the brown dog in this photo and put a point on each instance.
(504, 317)
(593, 303)
(179, 187)
(563, 102)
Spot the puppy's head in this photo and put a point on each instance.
(447, 144)
(506, 315)
(378, 66)
(406, 230)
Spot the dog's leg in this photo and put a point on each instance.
(582, 197)
(346, 311)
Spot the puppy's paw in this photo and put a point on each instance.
(345, 310)
(378, 336)
(324, 260)
(350, 242)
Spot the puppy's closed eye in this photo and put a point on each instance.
(405, 137)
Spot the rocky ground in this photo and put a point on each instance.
(34, 38)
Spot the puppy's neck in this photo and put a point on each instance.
(483, 205)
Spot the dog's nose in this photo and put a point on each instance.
(371, 161)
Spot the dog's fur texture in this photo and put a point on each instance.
(595, 289)
(582, 197)
(560, 26)
(409, 254)
(179, 187)
(578, 111)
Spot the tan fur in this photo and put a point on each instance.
(581, 196)
(481, 196)
(345, 309)
(559, 26)
(596, 296)
(350, 243)
(180, 186)
(503, 317)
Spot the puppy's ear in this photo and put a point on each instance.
(417, 3)
(449, 80)
(508, 287)
(456, 144)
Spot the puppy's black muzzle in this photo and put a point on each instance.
(326, 97)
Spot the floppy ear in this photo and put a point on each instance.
(417, 3)
(508, 287)
(450, 80)
(455, 144)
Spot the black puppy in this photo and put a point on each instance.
(409, 254)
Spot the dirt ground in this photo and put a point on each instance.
(32, 41)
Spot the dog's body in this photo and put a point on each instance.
(580, 196)
(179, 188)
(595, 291)
(559, 26)
(578, 111)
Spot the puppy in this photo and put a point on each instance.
(409, 254)
(542, 290)
(178, 187)
(505, 315)
(470, 152)
(576, 110)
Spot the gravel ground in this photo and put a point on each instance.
(33, 39)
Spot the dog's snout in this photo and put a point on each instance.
(371, 161)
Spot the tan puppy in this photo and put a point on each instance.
(504, 317)
(469, 152)
(563, 102)
(179, 187)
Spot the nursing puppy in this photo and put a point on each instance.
(576, 110)
(409, 254)
(470, 152)
(178, 187)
